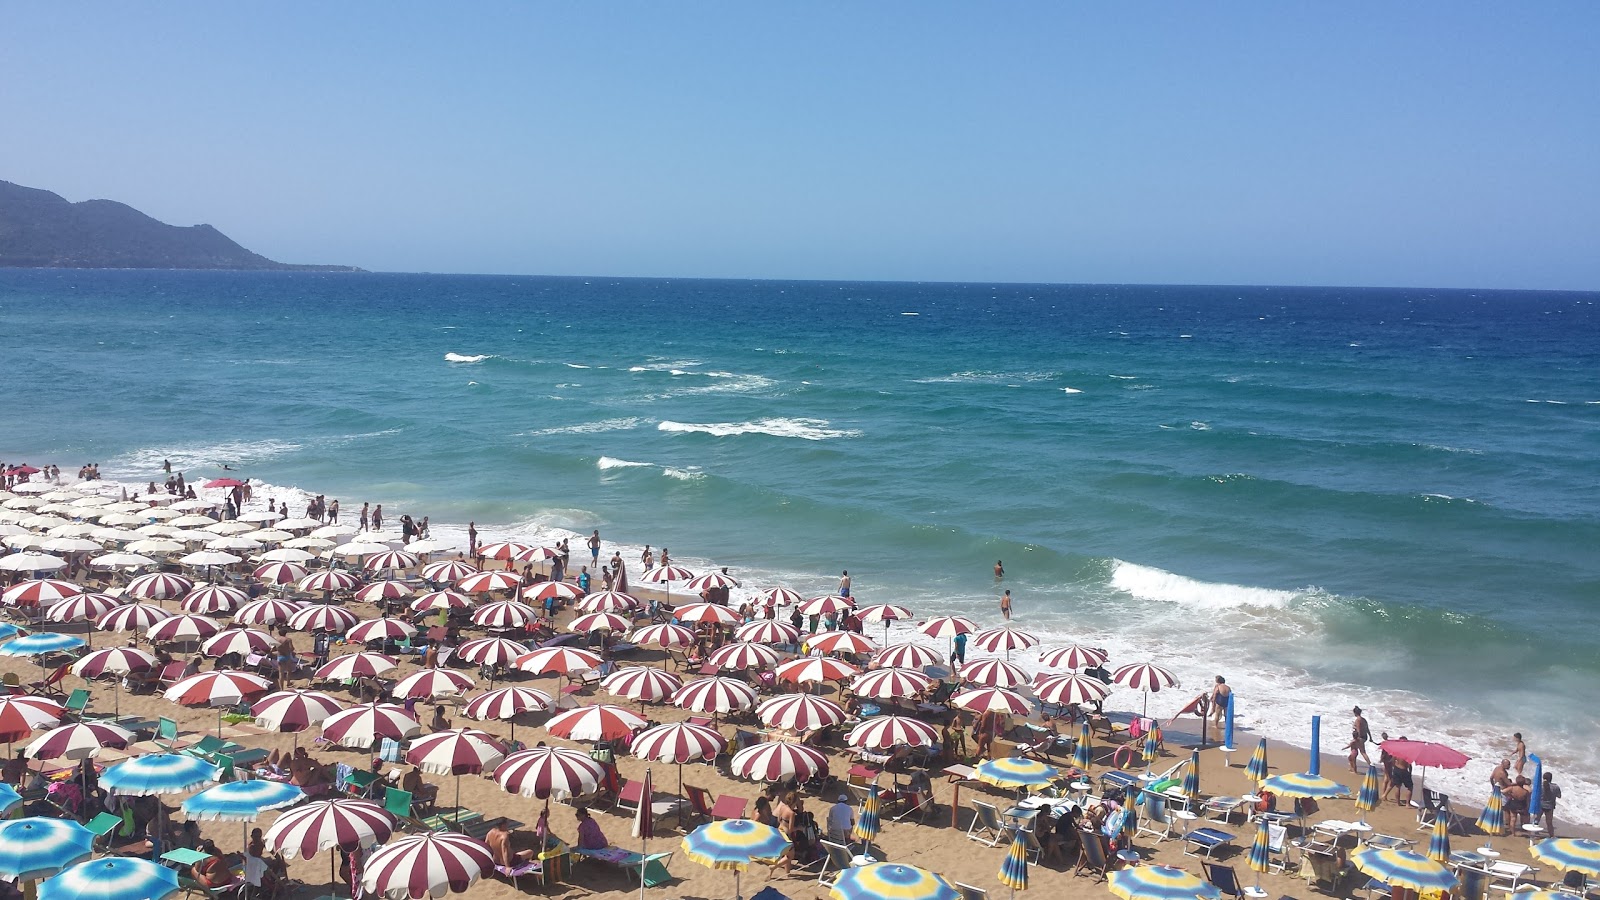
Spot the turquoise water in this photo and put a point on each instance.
(1384, 497)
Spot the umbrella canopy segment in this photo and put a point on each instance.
(427, 865)
(111, 878)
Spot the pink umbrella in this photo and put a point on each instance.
(267, 611)
(430, 683)
(642, 683)
(841, 642)
(279, 573)
(1425, 753)
(1072, 657)
(451, 570)
(242, 641)
(768, 631)
(360, 726)
(666, 636)
(715, 613)
(600, 722)
(906, 656)
(777, 761)
(185, 627)
(608, 601)
(800, 712)
(158, 586)
(209, 599)
(993, 673)
(891, 684)
(505, 615)
(826, 604)
(812, 669)
(329, 580)
(323, 617)
(355, 665)
(507, 703)
(546, 771)
(992, 699)
(458, 751)
(426, 865)
(488, 582)
(739, 656)
(380, 629)
(883, 732)
(442, 600)
(379, 591)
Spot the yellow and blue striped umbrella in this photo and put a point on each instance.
(1161, 883)
(1016, 771)
(1492, 821)
(1302, 784)
(1569, 854)
(1014, 869)
(1257, 769)
(733, 844)
(1439, 843)
(1191, 777)
(1405, 869)
(1152, 749)
(1261, 849)
(1084, 754)
(1367, 797)
(891, 881)
(867, 825)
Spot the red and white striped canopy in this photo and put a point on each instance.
(323, 617)
(666, 636)
(1073, 657)
(678, 742)
(506, 703)
(768, 631)
(45, 591)
(539, 555)
(355, 665)
(505, 615)
(883, 732)
(907, 656)
(599, 621)
(501, 549)
(214, 688)
(210, 599)
(715, 613)
(993, 673)
(487, 582)
(158, 586)
(558, 661)
(21, 714)
(383, 590)
(267, 611)
(242, 641)
(185, 627)
(561, 590)
(841, 642)
(279, 572)
(359, 726)
(642, 683)
(992, 699)
(800, 712)
(380, 629)
(77, 741)
(775, 761)
(549, 771)
(778, 596)
(890, 684)
(330, 580)
(1144, 677)
(816, 669)
(294, 710)
(607, 601)
(1003, 639)
(113, 661)
(491, 651)
(84, 607)
(600, 722)
(430, 683)
(320, 825)
(442, 600)
(667, 574)
(450, 570)
(716, 694)
(430, 864)
(711, 580)
(1070, 689)
(390, 559)
(827, 603)
(459, 751)
(947, 626)
(879, 613)
(741, 655)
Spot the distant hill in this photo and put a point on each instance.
(39, 229)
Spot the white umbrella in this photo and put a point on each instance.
(31, 562)
(287, 554)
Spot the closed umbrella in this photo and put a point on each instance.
(111, 878)
(1257, 767)
(1083, 754)
(1260, 859)
(1014, 869)
(866, 827)
(1439, 841)
(1367, 797)
(426, 865)
(1492, 821)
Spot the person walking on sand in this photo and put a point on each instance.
(1005, 605)
(1360, 736)
(1548, 796)
(333, 512)
(844, 584)
(472, 538)
(594, 548)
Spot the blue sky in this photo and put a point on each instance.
(1438, 144)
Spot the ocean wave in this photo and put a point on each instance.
(600, 427)
(609, 462)
(1445, 498)
(1150, 583)
(806, 429)
(1070, 390)
(692, 473)
(577, 366)
(463, 358)
(987, 377)
(147, 461)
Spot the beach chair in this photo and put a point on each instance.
(77, 702)
(968, 892)
(1095, 854)
(986, 827)
(1435, 806)
(103, 825)
(1202, 842)
(700, 803)
(1112, 779)
(167, 730)
(729, 806)
(651, 871)
(838, 859)
(1226, 880)
(51, 684)
(628, 796)
(1155, 821)
(515, 874)
(359, 782)
(1277, 847)
(397, 803)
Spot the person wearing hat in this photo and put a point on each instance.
(841, 819)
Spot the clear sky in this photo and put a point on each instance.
(1381, 143)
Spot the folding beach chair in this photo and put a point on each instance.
(1155, 821)
(968, 892)
(1203, 842)
(1094, 855)
(986, 827)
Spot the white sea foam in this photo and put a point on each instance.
(692, 473)
(577, 366)
(806, 429)
(140, 463)
(1071, 391)
(1200, 426)
(463, 358)
(600, 427)
(1006, 378)
(608, 462)
(1149, 583)
(1123, 377)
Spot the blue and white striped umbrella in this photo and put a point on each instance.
(43, 642)
(157, 773)
(38, 847)
(9, 630)
(9, 798)
(112, 878)
(241, 801)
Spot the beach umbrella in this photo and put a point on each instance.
(269, 535)
(1003, 639)
(713, 613)
(431, 864)
(70, 545)
(906, 656)
(800, 712)
(380, 629)
(889, 684)
(379, 591)
(118, 560)
(558, 661)
(1425, 753)
(812, 669)
(219, 689)
(866, 827)
(390, 559)
(1066, 690)
(825, 605)
(1074, 656)
(947, 626)
(111, 878)
(323, 617)
(666, 575)
(36, 847)
(742, 655)
(491, 651)
(597, 722)
(157, 773)
(1404, 869)
(243, 641)
(458, 751)
(841, 642)
(734, 844)
(767, 631)
(1439, 841)
(1300, 784)
(1569, 854)
(329, 580)
(666, 636)
(488, 582)
(883, 732)
(1160, 883)
(505, 615)
(355, 549)
(363, 664)
(506, 703)
(298, 523)
(1367, 797)
(9, 799)
(992, 699)
(241, 801)
(117, 662)
(598, 602)
(1257, 767)
(1014, 868)
(883, 613)
(711, 580)
(131, 617)
(892, 881)
(1146, 677)
(549, 771)
(642, 683)
(1191, 778)
(503, 550)
(992, 673)
(1260, 858)
(32, 562)
(716, 694)
(593, 622)
(678, 743)
(778, 761)
(20, 714)
(183, 627)
(362, 726)
(294, 710)
(321, 825)
(284, 571)
(84, 607)
(208, 599)
(778, 596)
(193, 520)
(1083, 754)
(451, 570)
(430, 683)
(77, 740)
(153, 546)
(1017, 772)
(41, 645)
(267, 611)
(40, 592)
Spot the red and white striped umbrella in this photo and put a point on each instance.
(600, 722)
(45, 591)
(1144, 677)
(549, 772)
(593, 622)
(294, 710)
(609, 601)
(159, 586)
(185, 627)
(77, 741)
(84, 607)
(380, 629)
(907, 656)
(800, 712)
(715, 613)
(488, 582)
(841, 642)
(391, 559)
(1063, 689)
(993, 673)
(741, 655)
(667, 574)
(442, 600)
(816, 669)
(355, 665)
(883, 613)
(711, 580)
(210, 599)
(778, 596)
(329, 580)
(558, 661)
(21, 714)
(1003, 640)
(459, 751)
(506, 703)
(320, 825)
(431, 864)
(540, 555)
(113, 661)
(947, 626)
(768, 631)
(642, 683)
(775, 761)
(451, 570)
(279, 572)
(505, 615)
(131, 617)
(666, 636)
(383, 590)
(561, 590)
(430, 683)
(992, 699)
(890, 684)
(360, 726)
(491, 651)
(225, 688)
(828, 603)
(678, 742)
(716, 694)
(1073, 657)
(883, 732)
(323, 617)
(501, 549)
(267, 611)
(242, 641)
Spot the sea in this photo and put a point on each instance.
(1331, 496)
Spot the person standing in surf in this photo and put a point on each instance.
(594, 548)
(1005, 605)
(999, 571)
(844, 584)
